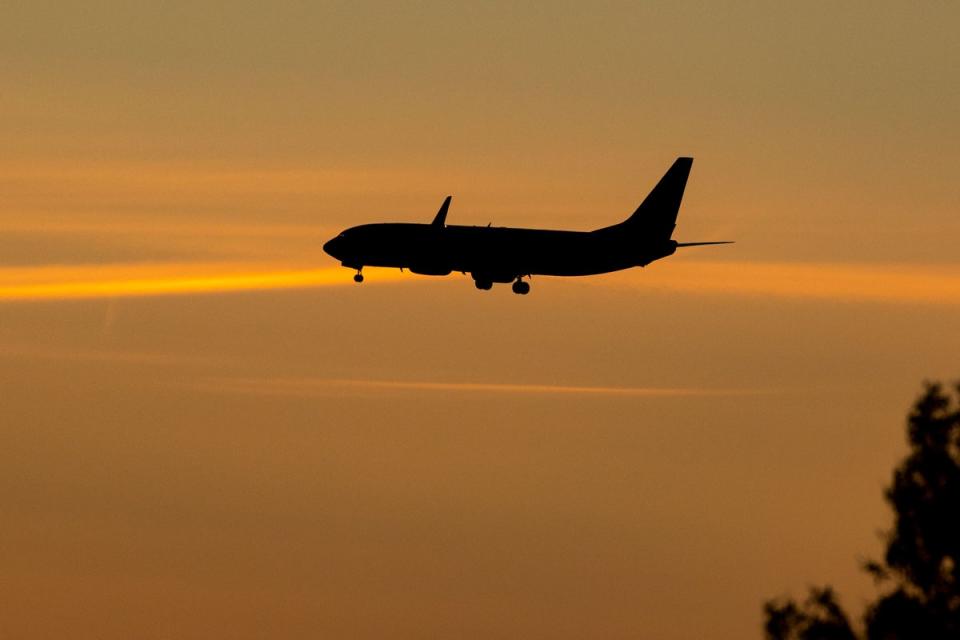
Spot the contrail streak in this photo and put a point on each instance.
(307, 387)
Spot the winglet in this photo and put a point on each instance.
(441, 219)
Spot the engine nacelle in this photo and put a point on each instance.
(430, 269)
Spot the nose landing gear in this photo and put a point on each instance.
(358, 277)
(520, 287)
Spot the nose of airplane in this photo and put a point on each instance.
(331, 247)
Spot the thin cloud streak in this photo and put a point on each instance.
(324, 387)
(895, 284)
(112, 281)
(132, 226)
(890, 283)
(127, 178)
(57, 354)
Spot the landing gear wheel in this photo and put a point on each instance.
(358, 278)
(483, 285)
(521, 288)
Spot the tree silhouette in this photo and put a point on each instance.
(920, 572)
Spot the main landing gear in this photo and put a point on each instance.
(519, 287)
(358, 277)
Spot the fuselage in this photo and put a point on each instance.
(505, 254)
(494, 254)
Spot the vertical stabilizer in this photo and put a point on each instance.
(657, 214)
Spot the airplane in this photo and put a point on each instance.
(503, 254)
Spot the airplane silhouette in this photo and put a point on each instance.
(502, 254)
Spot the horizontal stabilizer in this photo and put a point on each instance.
(700, 244)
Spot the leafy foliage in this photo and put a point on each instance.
(920, 572)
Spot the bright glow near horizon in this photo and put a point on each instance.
(852, 283)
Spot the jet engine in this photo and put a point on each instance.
(430, 269)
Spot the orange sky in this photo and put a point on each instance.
(209, 430)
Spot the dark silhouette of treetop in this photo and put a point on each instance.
(919, 575)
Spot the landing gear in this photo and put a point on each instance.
(485, 283)
(521, 288)
(358, 277)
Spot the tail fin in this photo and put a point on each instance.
(657, 214)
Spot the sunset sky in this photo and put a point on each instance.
(208, 430)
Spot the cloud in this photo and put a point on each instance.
(321, 387)
(886, 283)
(891, 283)
(55, 353)
(112, 281)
